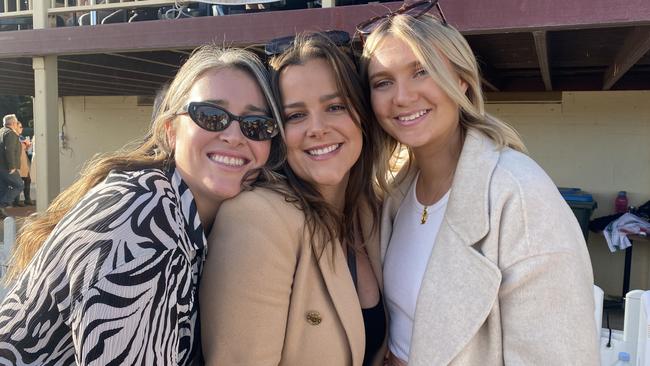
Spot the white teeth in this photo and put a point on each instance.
(227, 160)
(323, 150)
(413, 116)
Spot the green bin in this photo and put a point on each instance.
(582, 204)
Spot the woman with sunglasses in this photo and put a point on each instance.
(109, 273)
(484, 263)
(293, 275)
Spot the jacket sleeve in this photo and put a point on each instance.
(546, 297)
(247, 280)
(130, 315)
(12, 150)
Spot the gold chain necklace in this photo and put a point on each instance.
(425, 208)
(425, 215)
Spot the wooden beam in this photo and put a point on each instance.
(469, 16)
(541, 45)
(635, 46)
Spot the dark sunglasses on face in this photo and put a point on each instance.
(278, 45)
(415, 10)
(214, 118)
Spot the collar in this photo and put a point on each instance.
(190, 214)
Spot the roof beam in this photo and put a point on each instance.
(541, 45)
(635, 46)
(471, 17)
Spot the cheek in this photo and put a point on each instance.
(261, 150)
(293, 139)
(379, 104)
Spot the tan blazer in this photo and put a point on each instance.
(509, 279)
(266, 300)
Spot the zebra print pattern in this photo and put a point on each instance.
(116, 283)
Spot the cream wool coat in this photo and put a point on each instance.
(509, 280)
(263, 291)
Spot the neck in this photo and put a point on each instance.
(437, 164)
(335, 195)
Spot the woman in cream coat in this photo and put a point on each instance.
(279, 285)
(483, 261)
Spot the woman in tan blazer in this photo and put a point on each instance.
(483, 261)
(293, 275)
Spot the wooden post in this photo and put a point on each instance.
(46, 118)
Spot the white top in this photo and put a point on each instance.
(406, 259)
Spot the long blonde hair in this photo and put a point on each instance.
(437, 45)
(152, 151)
(323, 222)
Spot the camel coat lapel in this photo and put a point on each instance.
(344, 297)
(342, 291)
(460, 286)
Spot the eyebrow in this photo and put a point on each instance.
(321, 99)
(383, 73)
(249, 107)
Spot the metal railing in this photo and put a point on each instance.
(24, 8)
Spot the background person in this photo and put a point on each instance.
(11, 184)
(25, 145)
(109, 273)
(484, 262)
(293, 274)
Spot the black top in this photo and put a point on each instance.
(374, 322)
(374, 318)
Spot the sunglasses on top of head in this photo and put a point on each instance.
(414, 9)
(214, 118)
(277, 46)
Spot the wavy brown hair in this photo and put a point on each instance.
(323, 221)
(152, 151)
(437, 45)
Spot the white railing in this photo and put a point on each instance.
(16, 8)
(67, 6)
(24, 8)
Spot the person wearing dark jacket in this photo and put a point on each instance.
(11, 184)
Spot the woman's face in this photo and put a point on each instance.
(323, 141)
(408, 104)
(214, 163)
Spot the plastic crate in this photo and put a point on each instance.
(582, 204)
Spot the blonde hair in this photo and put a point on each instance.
(152, 151)
(438, 46)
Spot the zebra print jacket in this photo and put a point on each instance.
(115, 283)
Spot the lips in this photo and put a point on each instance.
(412, 116)
(231, 161)
(323, 150)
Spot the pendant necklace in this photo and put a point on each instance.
(425, 216)
(425, 208)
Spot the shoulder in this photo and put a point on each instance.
(259, 215)
(127, 216)
(261, 204)
(528, 205)
(517, 173)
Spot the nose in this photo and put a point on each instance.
(232, 134)
(317, 126)
(404, 94)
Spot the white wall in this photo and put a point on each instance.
(96, 125)
(600, 142)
